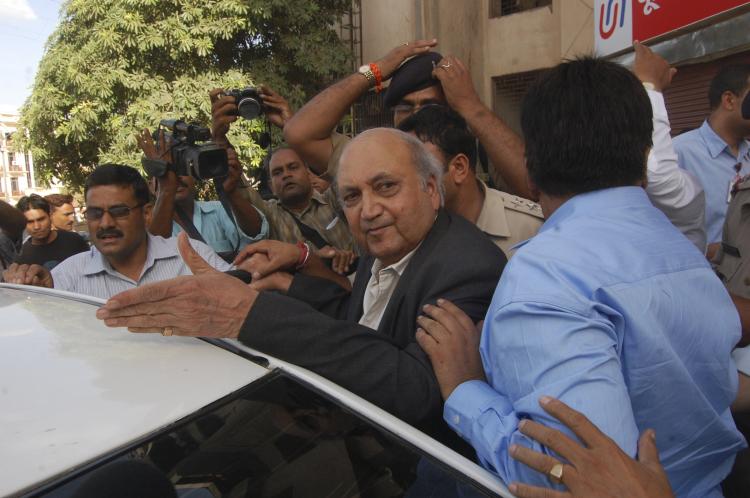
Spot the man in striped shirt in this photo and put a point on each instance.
(124, 255)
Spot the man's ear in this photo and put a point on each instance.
(459, 168)
(148, 209)
(728, 100)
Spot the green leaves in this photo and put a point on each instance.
(114, 67)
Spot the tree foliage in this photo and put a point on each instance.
(114, 67)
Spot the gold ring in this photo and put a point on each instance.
(406, 44)
(167, 331)
(445, 66)
(556, 473)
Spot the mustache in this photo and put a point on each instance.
(106, 232)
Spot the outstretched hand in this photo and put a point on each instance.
(207, 304)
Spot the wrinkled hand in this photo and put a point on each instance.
(207, 304)
(341, 259)
(451, 340)
(278, 256)
(393, 59)
(458, 88)
(223, 114)
(28, 275)
(277, 108)
(652, 68)
(235, 171)
(596, 469)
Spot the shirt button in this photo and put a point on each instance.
(456, 419)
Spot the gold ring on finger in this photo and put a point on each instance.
(445, 66)
(556, 473)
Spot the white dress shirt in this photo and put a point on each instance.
(380, 287)
(671, 189)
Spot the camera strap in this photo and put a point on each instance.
(192, 231)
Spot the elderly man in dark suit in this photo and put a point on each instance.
(391, 192)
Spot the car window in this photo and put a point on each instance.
(276, 439)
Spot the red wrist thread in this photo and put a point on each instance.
(378, 77)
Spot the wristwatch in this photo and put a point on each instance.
(367, 73)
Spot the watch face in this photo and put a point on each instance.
(364, 69)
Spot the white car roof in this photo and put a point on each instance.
(125, 386)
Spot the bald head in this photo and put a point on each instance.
(390, 189)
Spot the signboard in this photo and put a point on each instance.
(617, 23)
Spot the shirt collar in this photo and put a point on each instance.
(492, 219)
(714, 142)
(617, 198)
(158, 248)
(399, 266)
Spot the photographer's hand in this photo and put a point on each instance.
(160, 151)
(248, 218)
(277, 108)
(223, 114)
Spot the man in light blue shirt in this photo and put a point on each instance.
(124, 255)
(609, 308)
(718, 153)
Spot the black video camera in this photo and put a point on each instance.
(202, 161)
(249, 102)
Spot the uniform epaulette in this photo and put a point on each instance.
(522, 205)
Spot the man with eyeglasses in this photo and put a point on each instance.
(124, 255)
(418, 77)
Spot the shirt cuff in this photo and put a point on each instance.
(742, 359)
(262, 234)
(468, 402)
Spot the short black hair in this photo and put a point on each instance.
(729, 79)
(587, 125)
(123, 176)
(32, 201)
(444, 128)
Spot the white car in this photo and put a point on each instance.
(86, 408)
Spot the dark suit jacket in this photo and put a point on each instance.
(315, 325)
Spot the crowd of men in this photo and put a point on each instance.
(582, 330)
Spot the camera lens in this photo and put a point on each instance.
(249, 108)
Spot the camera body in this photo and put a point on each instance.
(193, 152)
(249, 102)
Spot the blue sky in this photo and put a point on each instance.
(25, 26)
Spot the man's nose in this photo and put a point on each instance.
(371, 206)
(106, 220)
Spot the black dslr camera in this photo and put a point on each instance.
(202, 161)
(249, 102)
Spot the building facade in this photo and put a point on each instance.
(16, 168)
(507, 43)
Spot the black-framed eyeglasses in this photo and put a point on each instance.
(117, 211)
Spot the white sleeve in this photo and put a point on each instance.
(672, 189)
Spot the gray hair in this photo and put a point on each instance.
(427, 165)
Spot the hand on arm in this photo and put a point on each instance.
(284, 257)
(598, 468)
(451, 340)
(341, 259)
(309, 130)
(207, 304)
(503, 145)
(28, 275)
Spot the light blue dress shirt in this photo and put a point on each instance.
(707, 156)
(218, 229)
(91, 274)
(612, 310)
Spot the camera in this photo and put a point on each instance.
(249, 102)
(193, 152)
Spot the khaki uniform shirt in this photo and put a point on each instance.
(508, 219)
(320, 215)
(339, 141)
(733, 258)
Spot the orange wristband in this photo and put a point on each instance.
(378, 77)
